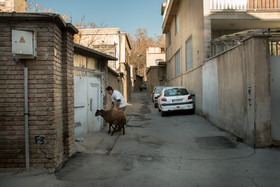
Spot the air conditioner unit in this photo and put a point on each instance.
(24, 44)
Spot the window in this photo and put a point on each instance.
(80, 61)
(92, 64)
(177, 24)
(177, 63)
(158, 90)
(175, 91)
(170, 70)
(168, 39)
(189, 54)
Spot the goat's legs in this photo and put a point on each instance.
(110, 125)
(113, 131)
(117, 127)
(109, 128)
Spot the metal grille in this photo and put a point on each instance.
(227, 42)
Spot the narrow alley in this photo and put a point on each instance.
(176, 150)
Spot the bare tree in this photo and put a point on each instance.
(140, 41)
(90, 25)
(160, 41)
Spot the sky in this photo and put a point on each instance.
(128, 15)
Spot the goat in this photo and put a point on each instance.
(113, 117)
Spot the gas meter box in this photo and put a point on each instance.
(24, 44)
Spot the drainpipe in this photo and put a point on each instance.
(27, 160)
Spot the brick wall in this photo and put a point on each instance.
(51, 98)
(68, 95)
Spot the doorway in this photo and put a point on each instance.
(87, 99)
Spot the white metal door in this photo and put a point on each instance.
(94, 123)
(275, 97)
(80, 105)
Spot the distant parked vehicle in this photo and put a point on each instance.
(143, 86)
(174, 99)
(155, 94)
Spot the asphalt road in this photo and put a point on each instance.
(177, 150)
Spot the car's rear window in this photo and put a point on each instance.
(175, 91)
(159, 90)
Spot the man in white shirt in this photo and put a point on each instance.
(117, 99)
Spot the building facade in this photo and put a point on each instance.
(199, 31)
(154, 55)
(114, 43)
(156, 76)
(90, 78)
(13, 5)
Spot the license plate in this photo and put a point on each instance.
(177, 100)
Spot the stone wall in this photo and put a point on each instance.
(188, 13)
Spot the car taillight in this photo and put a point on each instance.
(163, 99)
(190, 97)
(156, 97)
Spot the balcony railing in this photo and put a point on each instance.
(227, 42)
(218, 5)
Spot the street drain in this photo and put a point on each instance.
(215, 142)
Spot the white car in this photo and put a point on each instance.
(155, 95)
(173, 99)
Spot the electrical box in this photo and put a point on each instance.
(24, 44)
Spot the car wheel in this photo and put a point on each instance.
(156, 105)
(163, 113)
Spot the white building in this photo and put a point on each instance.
(154, 55)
